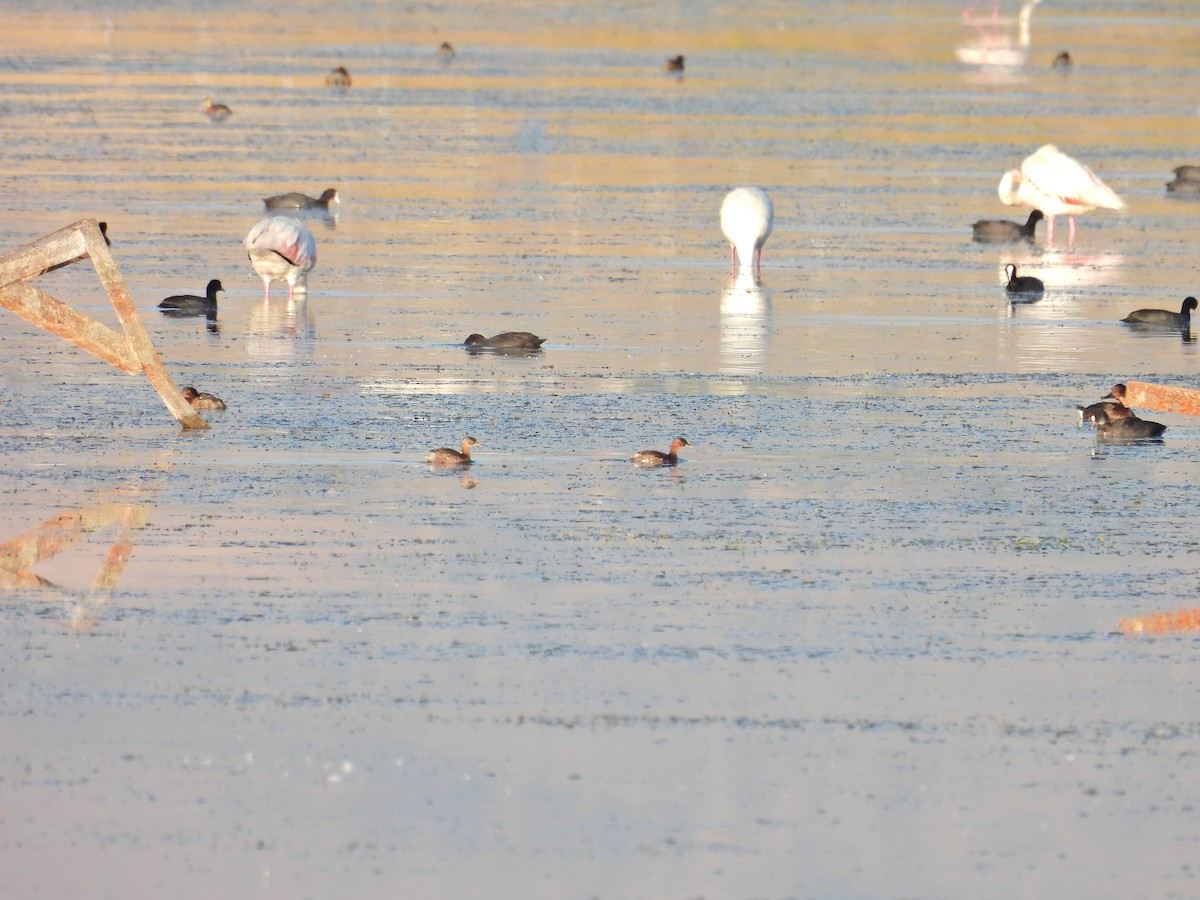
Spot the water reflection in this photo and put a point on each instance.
(281, 331)
(994, 49)
(745, 325)
(55, 535)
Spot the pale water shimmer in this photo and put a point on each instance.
(860, 644)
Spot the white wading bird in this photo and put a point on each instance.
(1058, 185)
(747, 217)
(282, 249)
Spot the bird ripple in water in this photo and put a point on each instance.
(297, 200)
(648, 458)
(446, 456)
(282, 249)
(747, 217)
(1002, 231)
(508, 340)
(201, 400)
(1163, 318)
(190, 304)
(1058, 185)
(1024, 287)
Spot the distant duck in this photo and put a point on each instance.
(445, 456)
(649, 458)
(216, 111)
(1164, 317)
(190, 304)
(1062, 62)
(674, 64)
(509, 340)
(1002, 231)
(1187, 180)
(446, 51)
(1025, 285)
(282, 249)
(747, 217)
(202, 401)
(1118, 424)
(296, 200)
(1058, 185)
(338, 78)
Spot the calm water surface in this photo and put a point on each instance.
(860, 643)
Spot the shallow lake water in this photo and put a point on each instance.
(862, 642)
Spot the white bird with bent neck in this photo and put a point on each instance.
(1058, 185)
(747, 217)
(282, 249)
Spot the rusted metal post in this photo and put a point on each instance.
(132, 352)
(1161, 397)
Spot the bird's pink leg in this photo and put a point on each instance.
(1071, 233)
(266, 290)
(1049, 231)
(758, 260)
(291, 292)
(732, 260)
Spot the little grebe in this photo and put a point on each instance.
(216, 111)
(338, 78)
(202, 401)
(657, 457)
(445, 456)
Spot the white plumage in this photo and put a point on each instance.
(1058, 185)
(282, 249)
(747, 217)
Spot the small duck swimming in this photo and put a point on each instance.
(1164, 317)
(338, 78)
(1026, 286)
(217, 112)
(444, 456)
(202, 401)
(190, 304)
(1118, 424)
(296, 200)
(674, 64)
(508, 340)
(649, 458)
(446, 51)
(1002, 231)
(1062, 62)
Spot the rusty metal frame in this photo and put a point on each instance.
(132, 352)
